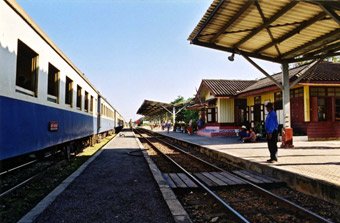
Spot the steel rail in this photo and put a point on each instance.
(19, 185)
(218, 198)
(22, 183)
(17, 167)
(281, 199)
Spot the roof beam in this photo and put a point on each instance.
(231, 21)
(330, 12)
(331, 47)
(302, 73)
(328, 54)
(267, 23)
(209, 19)
(263, 71)
(232, 50)
(303, 25)
(318, 42)
(267, 28)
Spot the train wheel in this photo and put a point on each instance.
(67, 152)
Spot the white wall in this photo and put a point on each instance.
(12, 28)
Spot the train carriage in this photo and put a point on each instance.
(45, 100)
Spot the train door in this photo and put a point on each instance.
(99, 113)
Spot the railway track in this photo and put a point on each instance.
(20, 175)
(237, 191)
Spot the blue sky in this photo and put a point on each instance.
(134, 50)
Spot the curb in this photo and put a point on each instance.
(44, 203)
(317, 188)
(178, 212)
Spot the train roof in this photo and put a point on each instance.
(21, 12)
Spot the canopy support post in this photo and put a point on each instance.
(287, 132)
(173, 115)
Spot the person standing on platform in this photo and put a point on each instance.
(271, 127)
(190, 127)
(130, 124)
(168, 125)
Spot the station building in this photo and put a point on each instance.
(225, 105)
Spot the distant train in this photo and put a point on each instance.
(45, 100)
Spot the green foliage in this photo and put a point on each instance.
(179, 99)
(185, 115)
(335, 59)
(189, 114)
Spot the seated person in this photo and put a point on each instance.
(243, 133)
(251, 137)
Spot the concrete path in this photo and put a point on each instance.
(115, 187)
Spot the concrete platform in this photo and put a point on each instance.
(114, 187)
(311, 167)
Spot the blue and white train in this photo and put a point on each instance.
(45, 100)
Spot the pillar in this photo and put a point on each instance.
(287, 132)
(173, 115)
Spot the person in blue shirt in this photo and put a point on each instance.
(243, 132)
(271, 127)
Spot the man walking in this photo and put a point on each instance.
(271, 126)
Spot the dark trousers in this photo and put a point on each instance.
(272, 145)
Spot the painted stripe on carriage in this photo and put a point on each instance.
(29, 122)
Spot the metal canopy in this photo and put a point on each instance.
(153, 108)
(282, 31)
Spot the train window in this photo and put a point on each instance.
(53, 84)
(91, 104)
(78, 97)
(68, 91)
(86, 105)
(27, 70)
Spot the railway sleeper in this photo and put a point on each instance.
(217, 179)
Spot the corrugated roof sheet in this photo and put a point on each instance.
(151, 108)
(226, 87)
(280, 30)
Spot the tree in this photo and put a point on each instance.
(184, 115)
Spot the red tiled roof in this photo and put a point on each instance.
(324, 71)
(226, 87)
